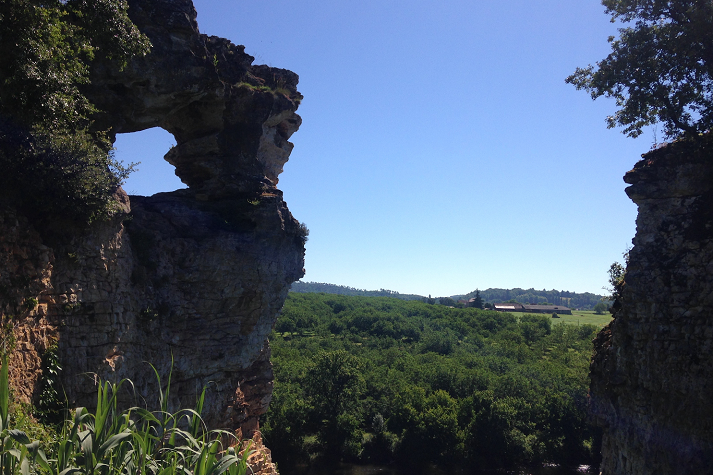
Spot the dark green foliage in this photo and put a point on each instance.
(600, 308)
(309, 287)
(304, 233)
(335, 385)
(385, 380)
(582, 301)
(52, 404)
(617, 272)
(477, 300)
(53, 162)
(47, 49)
(535, 327)
(442, 342)
(71, 175)
(660, 69)
(557, 297)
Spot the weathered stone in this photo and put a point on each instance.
(190, 280)
(652, 372)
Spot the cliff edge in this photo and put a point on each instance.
(652, 372)
(191, 279)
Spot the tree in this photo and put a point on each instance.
(336, 383)
(660, 69)
(447, 301)
(48, 48)
(53, 162)
(617, 273)
(600, 308)
(477, 300)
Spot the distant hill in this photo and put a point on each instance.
(310, 287)
(584, 301)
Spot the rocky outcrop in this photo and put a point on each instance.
(231, 120)
(190, 280)
(652, 372)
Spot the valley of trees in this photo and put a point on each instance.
(383, 380)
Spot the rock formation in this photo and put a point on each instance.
(191, 279)
(652, 372)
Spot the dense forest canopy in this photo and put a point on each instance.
(380, 380)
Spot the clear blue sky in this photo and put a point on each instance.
(441, 150)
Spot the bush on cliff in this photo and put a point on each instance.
(53, 160)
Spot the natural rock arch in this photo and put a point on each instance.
(152, 173)
(192, 279)
(231, 120)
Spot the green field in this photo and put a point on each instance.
(580, 317)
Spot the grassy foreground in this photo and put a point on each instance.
(109, 441)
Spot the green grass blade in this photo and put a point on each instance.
(19, 436)
(224, 464)
(4, 391)
(113, 442)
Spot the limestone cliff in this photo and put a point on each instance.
(195, 276)
(652, 372)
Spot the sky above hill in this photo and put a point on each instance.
(441, 150)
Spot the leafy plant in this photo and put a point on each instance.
(132, 441)
(31, 303)
(54, 160)
(51, 405)
(617, 272)
(304, 233)
(660, 68)
(17, 451)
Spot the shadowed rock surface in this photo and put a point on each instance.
(652, 372)
(195, 276)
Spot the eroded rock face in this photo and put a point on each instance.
(652, 373)
(231, 120)
(191, 279)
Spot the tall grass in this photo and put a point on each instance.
(134, 441)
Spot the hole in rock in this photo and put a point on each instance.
(153, 174)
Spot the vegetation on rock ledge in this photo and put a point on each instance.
(53, 161)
